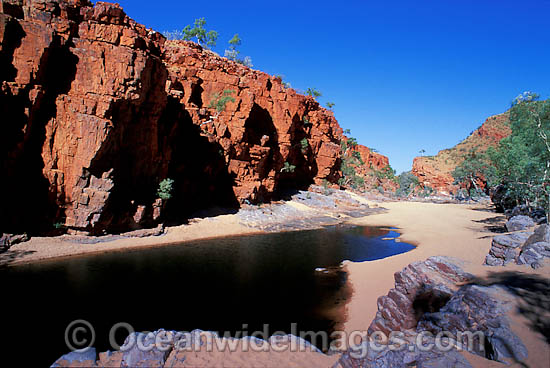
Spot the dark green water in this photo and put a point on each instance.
(216, 285)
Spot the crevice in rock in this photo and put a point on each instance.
(28, 187)
(13, 36)
(299, 156)
(196, 94)
(197, 166)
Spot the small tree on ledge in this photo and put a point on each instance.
(314, 92)
(165, 189)
(204, 38)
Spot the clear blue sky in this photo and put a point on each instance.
(404, 75)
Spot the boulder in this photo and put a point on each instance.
(142, 350)
(533, 254)
(541, 234)
(505, 248)
(477, 309)
(408, 356)
(518, 223)
(420, 287)
(9, 240)
(537, 214)
(84, 358)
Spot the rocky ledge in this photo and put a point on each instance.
(437, 296)
(523, 248)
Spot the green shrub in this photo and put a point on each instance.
(288, 168)
(165, 189)
(220, 100)
(313, 92)
(350, 159)
(408, 182)
(304, 144)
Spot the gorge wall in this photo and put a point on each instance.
(436, 171)
(97, 110)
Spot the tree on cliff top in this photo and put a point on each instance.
(198, 31)
(233, 53)
(313, 92)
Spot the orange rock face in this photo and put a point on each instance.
(373, 163)
(373, 160)
(98, 109)
(436, 171)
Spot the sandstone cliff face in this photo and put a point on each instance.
(436, 171)
(373, 170)
(97, 110)
(373, 160)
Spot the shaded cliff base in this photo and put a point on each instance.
(304, 210)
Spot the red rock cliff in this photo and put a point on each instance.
(373, 160)
(436, 171)
(98, 109)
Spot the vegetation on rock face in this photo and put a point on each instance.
(220, 100)
(385, 173)
(520, 164)
(165, 189)
(304, 144)
(349, 160)
(282, 77)
(474, 170)
(522, 160)
(288, 168)
(408, 182)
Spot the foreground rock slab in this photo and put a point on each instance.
(477, 309)
(421, 287)
(164, 348)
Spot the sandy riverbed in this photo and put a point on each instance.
(438, 229)
(458, 231)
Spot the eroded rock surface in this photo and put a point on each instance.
(311, 209)
(172, 349)
(407, 356)
(477, 309)
(99, 109)
(436, 171)
(518, 223)
(523, 248)
(423, 286)
(505, 248)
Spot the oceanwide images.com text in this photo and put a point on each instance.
(80, 335)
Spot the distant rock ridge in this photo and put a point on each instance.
(99, 109)
(436, 171)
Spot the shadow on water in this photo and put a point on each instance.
(218, 285)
